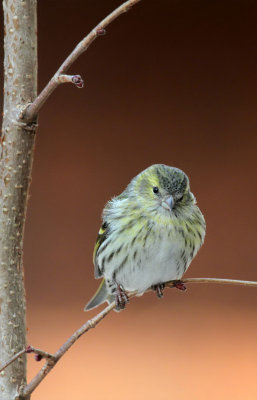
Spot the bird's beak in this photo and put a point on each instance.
(168, 203)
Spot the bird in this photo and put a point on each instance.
(150, 233)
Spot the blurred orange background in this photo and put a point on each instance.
(171, 82)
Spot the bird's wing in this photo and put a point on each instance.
(101, 237)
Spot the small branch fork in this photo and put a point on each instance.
(31, 111)
(52, 359)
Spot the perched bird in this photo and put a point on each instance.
(150, 234)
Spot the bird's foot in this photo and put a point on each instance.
(179, 285)
(121, 298)
(159, 289)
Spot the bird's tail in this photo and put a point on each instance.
(100, 297)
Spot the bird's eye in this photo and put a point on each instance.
(180, 198)
(155, 189)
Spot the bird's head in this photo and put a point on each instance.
(162, 189)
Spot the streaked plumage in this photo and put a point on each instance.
(150, 234)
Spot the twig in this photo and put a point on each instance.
(76, 79)
(32, 110)
(62, 350)
(53, 359)
(17, 355)
(40, 354)
(219, 281)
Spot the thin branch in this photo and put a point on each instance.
(53, 359)
(76, 79)
(29, 114)
(219, 281)
(39, 354)
(17, 355)
(50, 363)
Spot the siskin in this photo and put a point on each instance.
(149, 236)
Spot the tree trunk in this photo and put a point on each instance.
(16, 153)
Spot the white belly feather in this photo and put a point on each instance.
(159, 261)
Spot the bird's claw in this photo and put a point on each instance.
(159, 289)
(179, 285)
(121, 298)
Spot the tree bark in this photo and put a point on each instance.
(16, 153)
